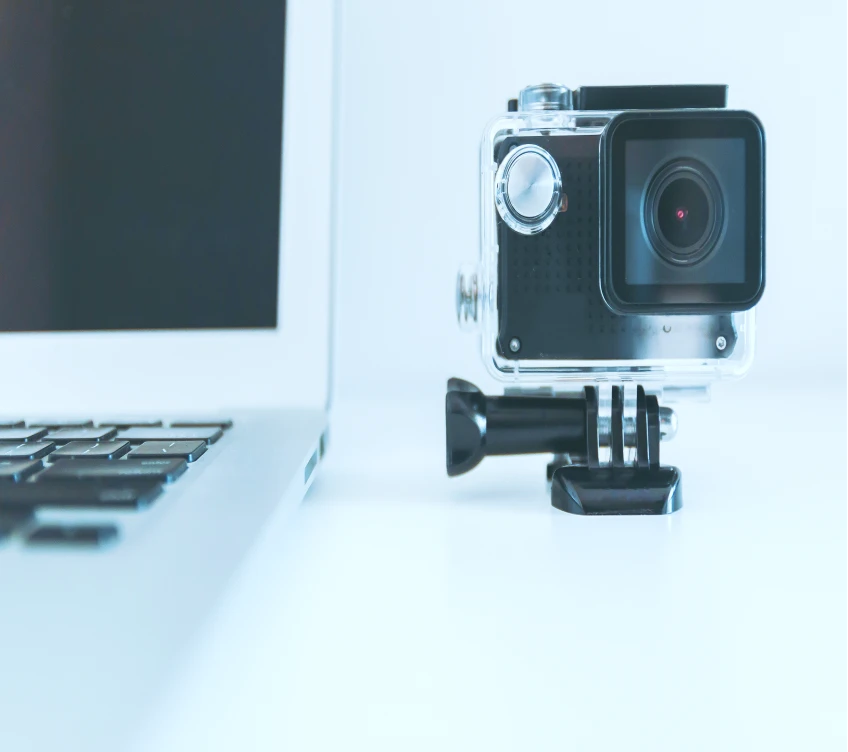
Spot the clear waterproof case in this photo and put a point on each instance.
(620, 258)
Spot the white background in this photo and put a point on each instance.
(397, 609)
(419, 82)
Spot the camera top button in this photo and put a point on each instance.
(545, 97)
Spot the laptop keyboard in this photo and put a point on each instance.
(83, 465)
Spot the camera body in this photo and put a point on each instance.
(622, 237)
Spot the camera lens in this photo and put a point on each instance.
(683, 212)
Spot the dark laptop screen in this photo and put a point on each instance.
(140, 153)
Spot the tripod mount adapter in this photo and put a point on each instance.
(605, 443)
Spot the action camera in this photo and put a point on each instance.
(621, 256)
(622, 232)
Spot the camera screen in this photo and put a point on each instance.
(140, 170)
(684, 212)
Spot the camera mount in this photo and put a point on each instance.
(606, 445)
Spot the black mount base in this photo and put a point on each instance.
(627, 480)
(613, 490)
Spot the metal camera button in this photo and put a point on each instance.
(528, 189)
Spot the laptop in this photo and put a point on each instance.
(165, 331)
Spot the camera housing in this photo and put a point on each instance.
(622, 236)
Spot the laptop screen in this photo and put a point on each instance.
(140, 158)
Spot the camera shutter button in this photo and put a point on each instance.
(528, 189)
(542, 97)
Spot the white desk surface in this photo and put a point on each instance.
(396, 609)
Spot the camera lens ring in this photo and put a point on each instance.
(696, 178)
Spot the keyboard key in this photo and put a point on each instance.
(22, 434)
(33, 450)
(76, 494)
(104, 450)
(220, 423)
(12, 520)
(17, 470)
(55, 425)
(64, 435)
(5, 423)
(163, 470)
(139, 435)
(72, 535)
(124, 423)
(188, 450)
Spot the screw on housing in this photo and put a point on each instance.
(467, 298)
